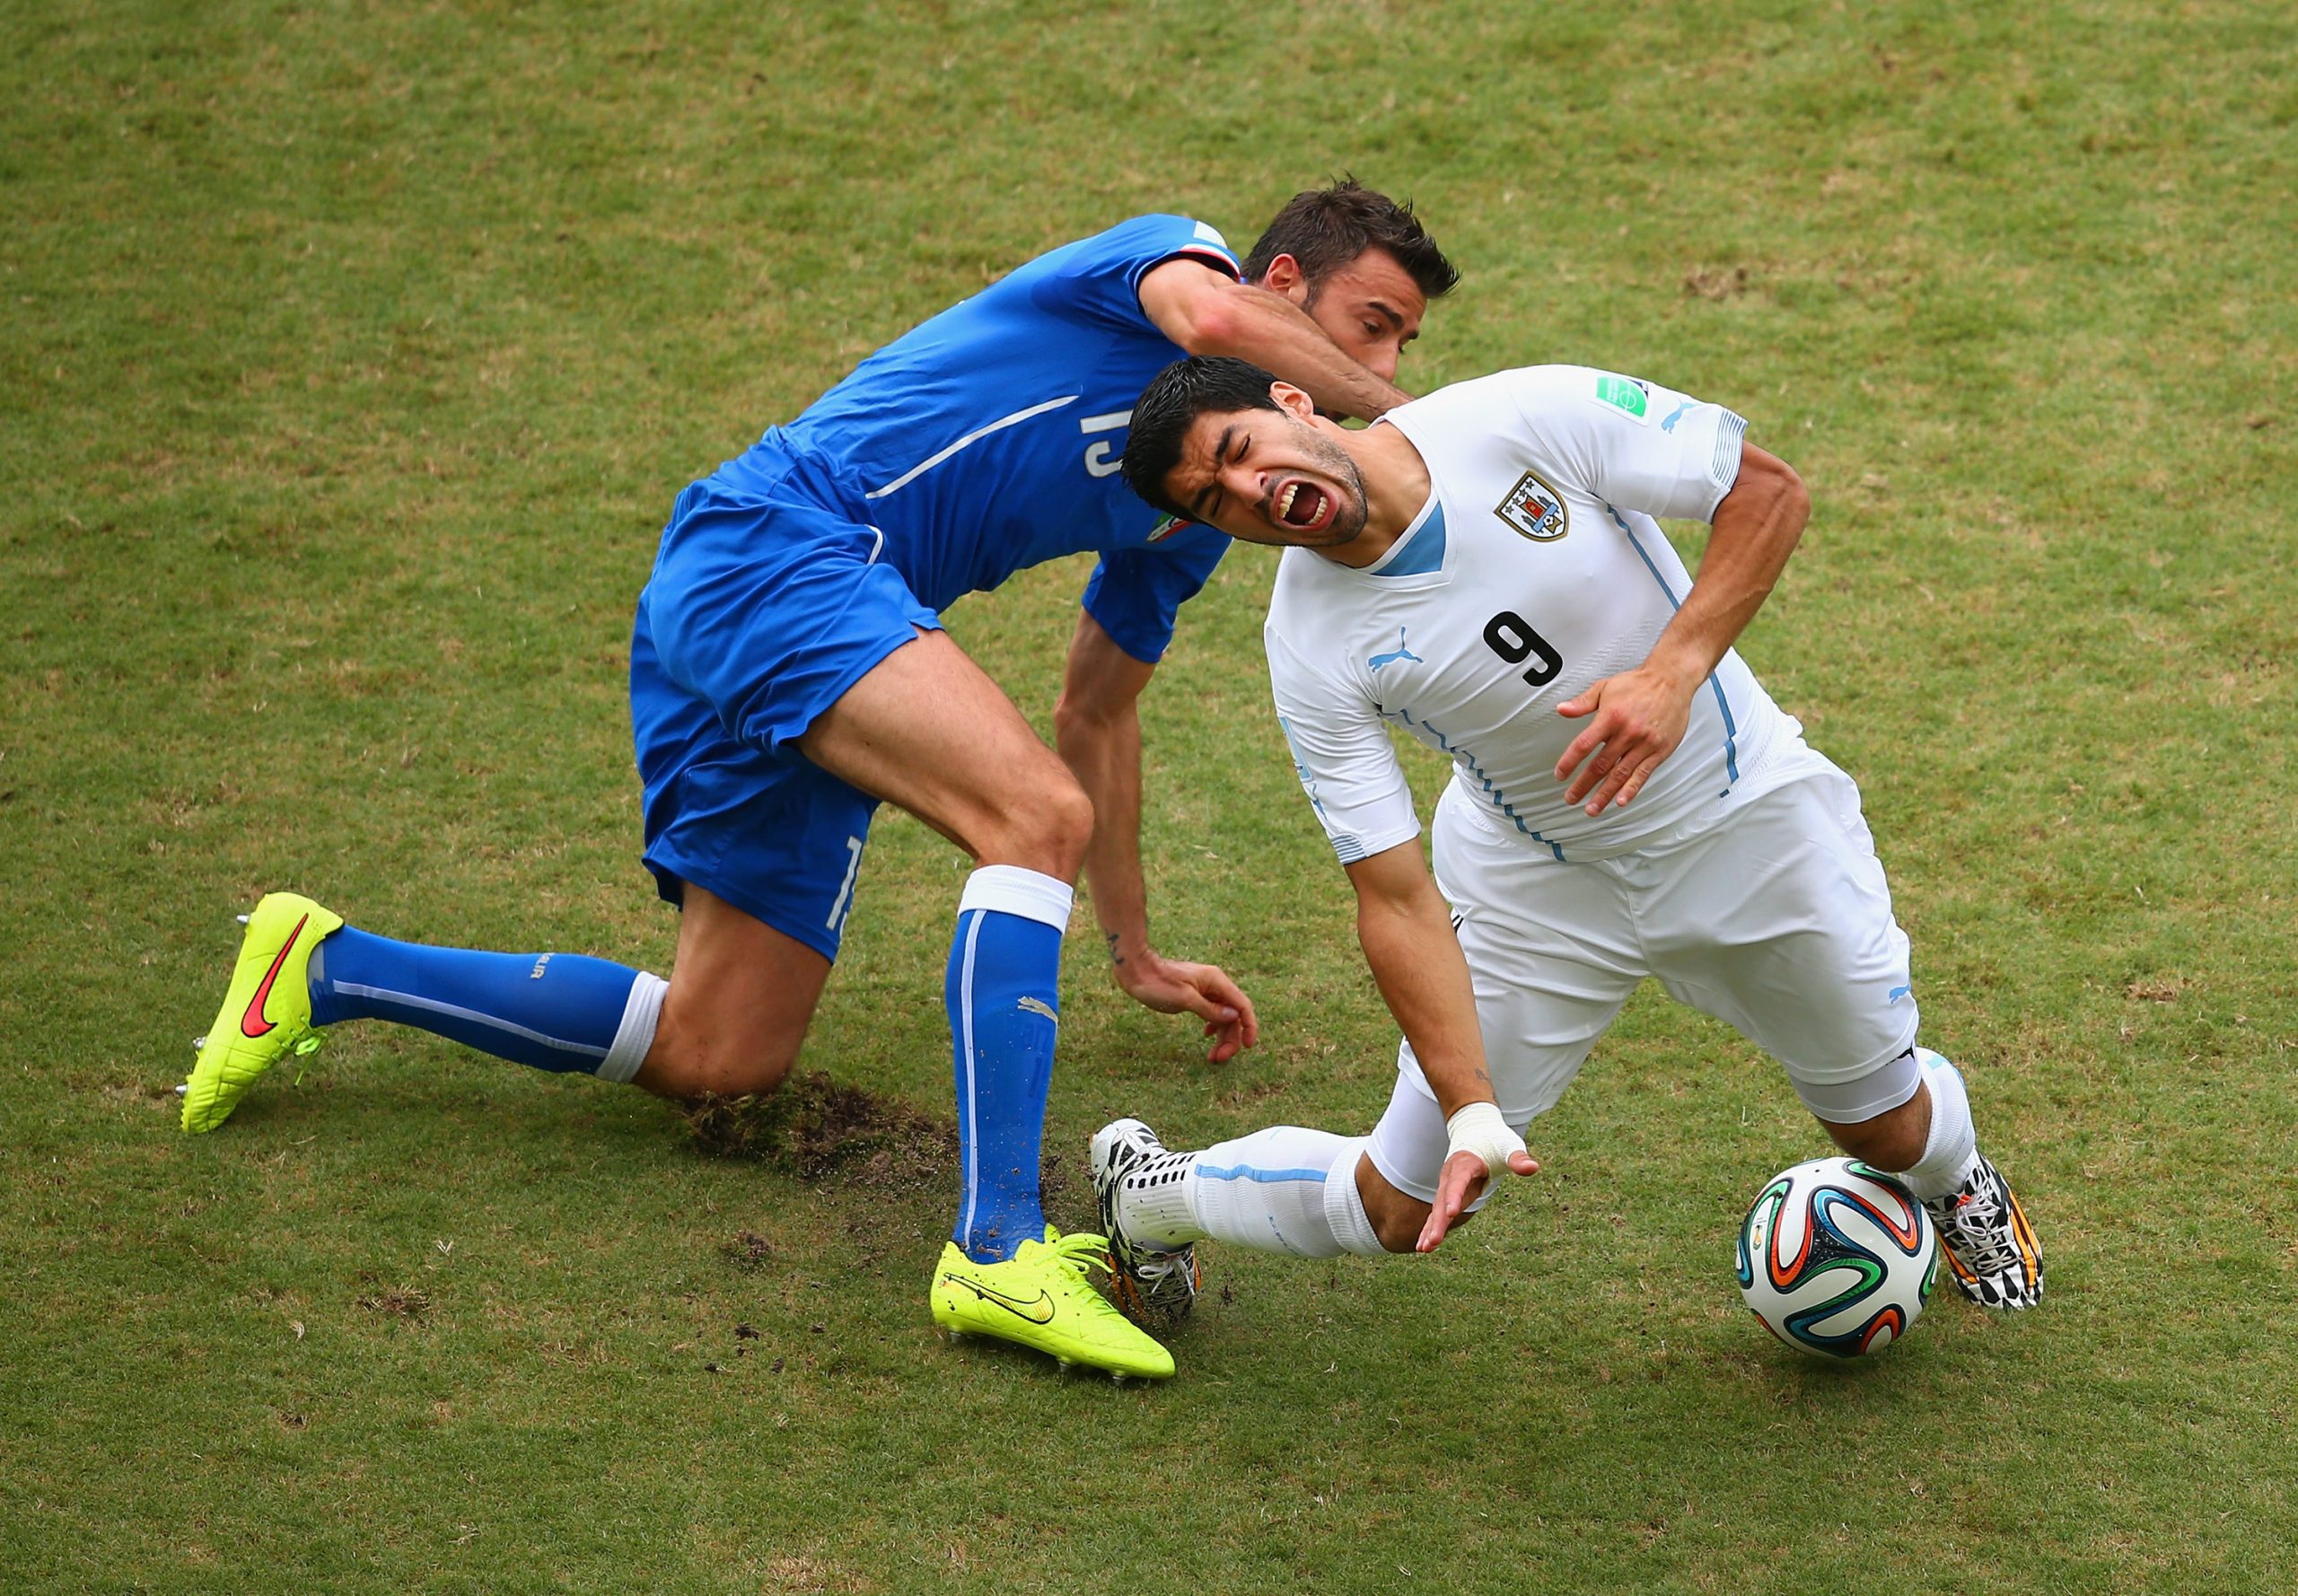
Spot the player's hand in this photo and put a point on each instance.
(1175, 987)
(1464, 1176)
(1640, 717)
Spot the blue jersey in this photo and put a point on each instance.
(987, 440)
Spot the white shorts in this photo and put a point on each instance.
(1775, 919)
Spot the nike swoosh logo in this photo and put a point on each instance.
(252, 1024)
(1039, 1310)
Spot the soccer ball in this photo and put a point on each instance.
(1837, 1258)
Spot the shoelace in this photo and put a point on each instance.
(1155, 1268)
(1146, 1263)
(1979, 1227)
(1080, 1251)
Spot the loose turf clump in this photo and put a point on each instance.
(398, 1301)
(749, 1252)
(816, 1128)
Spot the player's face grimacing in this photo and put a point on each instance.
(1270, 476)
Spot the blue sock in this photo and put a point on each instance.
(1004, 994)
(558, 1012)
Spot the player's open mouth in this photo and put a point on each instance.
(1303, 505)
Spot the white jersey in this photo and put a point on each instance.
(1534, 570)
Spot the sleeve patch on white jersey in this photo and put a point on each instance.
(1535, 510)
(1627, 395)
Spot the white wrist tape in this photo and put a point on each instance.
(1478, 1128)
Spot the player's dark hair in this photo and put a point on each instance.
(1324, 229)
(1200, 385)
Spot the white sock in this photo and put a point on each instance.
(1274, 1190)
(1951, 1149)
(635, 1034)
(1345, 1214)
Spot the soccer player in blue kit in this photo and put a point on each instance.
(788, 672)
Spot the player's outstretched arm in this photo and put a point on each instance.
(1097, 727)
(1406, 929)
(1207, 312)
(1639, 715)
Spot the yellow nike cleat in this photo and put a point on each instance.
(1040, 1298)
(266, 1013)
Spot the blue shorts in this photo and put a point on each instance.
(763, 610)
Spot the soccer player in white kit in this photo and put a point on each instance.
(1482, 568)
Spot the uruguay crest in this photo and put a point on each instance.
(1534, 509)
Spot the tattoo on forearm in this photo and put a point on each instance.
(1115, 957)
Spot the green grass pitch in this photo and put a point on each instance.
(350, 356)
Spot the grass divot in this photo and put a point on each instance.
(820, 1129)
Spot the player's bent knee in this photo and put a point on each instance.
(689, 1079)
(1068, 823)
(1046, 828)
(686, 1064)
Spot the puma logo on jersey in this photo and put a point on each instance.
(1676, 415)
(1400, 652)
